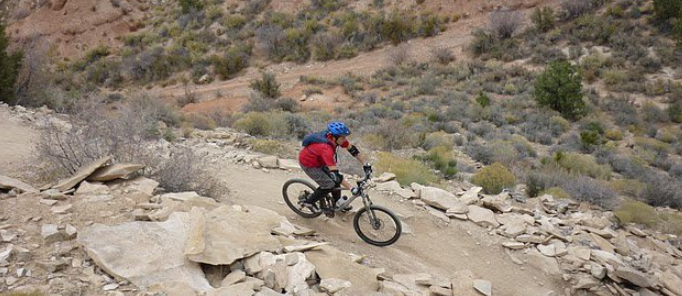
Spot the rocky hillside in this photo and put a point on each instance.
(105, 230)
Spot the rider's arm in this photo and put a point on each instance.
(344, 182)
(356, 153)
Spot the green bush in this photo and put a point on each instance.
(255, 124)
(97, 53)
(677, 31)
(407, 171)
(667, 9)
(189, 5)
(267, 85)
(483, 99)
(441, 159)
(494, 178)
(10, 64)
(559, 87)
(543, 18)
(640, 213)
(236, 59)
(583, 165)
(675, 112)
(438, 139)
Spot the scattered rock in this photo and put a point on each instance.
(440, 291)
(269, 162)
(394, 187)
(484, 287)
(483, 217)
(585, 283)
(87, 188)
(597, 271)
(438, 198)
(514, 229)
(514, 245)
(81, 174)
(180, 196)
(7, 183)
(303, 248)
(110, 287)
(51, 234)
(602, 243)
(334, 285)
(62, 209)
(53, 194)
(70, 231)
(471, 196)
(385, 177)
(289, 164)
(233, 278)
(332, 263)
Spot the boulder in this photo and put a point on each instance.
(597, 271)
(484, 287)
(604, 258)
(227, 234)
(602, 243)
(81, 174)
(7, 183)
(269, 162)
(548, 265)
(412, 281)
(499, 203)
(440, 291)
(462, 283)
(514, 229)
(580, 252)
(483, 217)
(633, 276)
(146, 253)
(243, 289)
(115, 171)
(278, 275)
(233, 278)
(459, 209)
(289, 164)
(585, 283)
(438, 198)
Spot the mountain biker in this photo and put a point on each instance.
(319, 158)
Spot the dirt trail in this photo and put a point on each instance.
(434, 247)
(16, 142)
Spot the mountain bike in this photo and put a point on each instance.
(374, 224)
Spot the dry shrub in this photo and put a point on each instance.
(400, 55)
(505, 23)
(127, 133)
(442, 55)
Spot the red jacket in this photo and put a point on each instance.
(319, 151)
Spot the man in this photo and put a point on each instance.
(319, 158)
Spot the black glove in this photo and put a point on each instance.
(336, 177)
(367, 168)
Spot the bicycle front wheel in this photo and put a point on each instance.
(377, 226)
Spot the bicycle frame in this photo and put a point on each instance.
(365, 197)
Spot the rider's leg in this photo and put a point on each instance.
(323, 180)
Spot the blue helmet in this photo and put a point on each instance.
(338, 129)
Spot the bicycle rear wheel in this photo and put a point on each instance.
(377, 226)
(295, 191)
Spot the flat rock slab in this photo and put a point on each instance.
(138, 184)
(145, 253)
(227, 234)
(180, 196)
(438, 198)
(115, 171)
(81, 174)
(331, 263)
(7, 183)
(482, 216)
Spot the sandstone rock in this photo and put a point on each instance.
(87, 188)
(180, 196)
(597, 271)
(481, 216)
(671, 282)
(115, 171)
(459, 209)
(269, 162)
(514, 245)
(52, 266)
(280, 276)
(547, 250)
(634, 276)
(499, 203)
(70, 231)
(331, 263)
(149, 206)
(462, 283)
(138, 184)
(53, 194)
(484, 287)
(471, 196)
(548, 265)
(440, 291)
(303, 248)
(233, 278)
(334, 285)
(585, 283)
(411, 281)
(285, 228)
(173, 289)
(394, 187)
(392, 288)
(81, 174)
(7, 183)
(514, 229)
(243, 289)
(604, 258)
(227, 234)
(62, 209)
(49, 202)
(438, 214)
(51, 234)
(580, 252)
(385, 177)
(532, 239)
(265, 291)
(146, 253)
(6, 255)
(438, 198)
(602, 243)
(110, 287)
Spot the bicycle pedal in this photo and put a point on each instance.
(329, 214)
